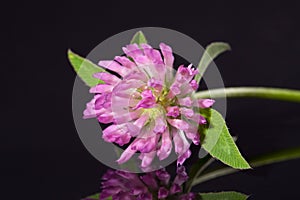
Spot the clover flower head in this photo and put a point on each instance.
(147, 101)
(122, 185)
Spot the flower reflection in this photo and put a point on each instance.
(122, 185)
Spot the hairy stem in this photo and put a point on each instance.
(252, 92)
(201, 169)
(270, 158)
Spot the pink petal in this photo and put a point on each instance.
(91, 110)
(192, 133)
(182, 74)
(133, 50)
(160, 125)
(194, 136)
(152, 54)
(103, 101)
(125, 62)
(123, 117)
(150, 180)
(166, 146)
(179, 124)
(163, 193)
(145, 144)
(147, 159)
(106, 118)
(145, 103)
(202, 120)
(126, 155)
(183, 157)
(198, 118)
(181, 176)
(175, 89)
(147, 93)
(137, 76)
(194, 85)
(101, 88)
(114, 129)
(187, 112)
(114, 66)
(163, 176)
(187, 101)
(175, 188)
(185, 74)
(148, 100)
(192, 71)
(156, 84)
(91, 113)
(124, 139)
(173, 111)
(117, 134)
(141, 121)
(186, 90)
(205, 103)
(126, 89)
(107, 78)
(135, 127)
(142, 62)
(180, 142)
(167, 53)
(132, 47)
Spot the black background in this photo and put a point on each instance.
(42, 156)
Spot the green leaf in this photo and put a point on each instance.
(139, 38)
(270, 158)
(85, 69)
(211, 52)
(95, 197)
(223, 196)
(219, 143)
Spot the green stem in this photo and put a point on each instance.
(198, 168)
(253, 92)
(275, 157)
(201, 169)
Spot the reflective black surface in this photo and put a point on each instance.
(41, 155)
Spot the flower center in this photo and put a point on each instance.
(164, 100)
